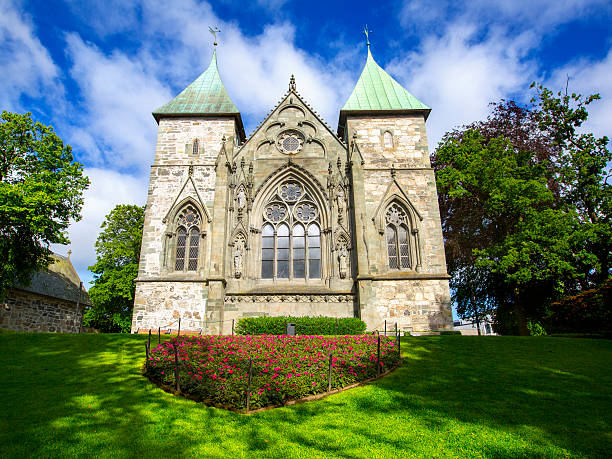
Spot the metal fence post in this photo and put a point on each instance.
(179, 329)
(158, 335)
(378, 358)
(232, 327)
(385, 328)
(248, 401)
(149, 338)
(329, 374)
(176, 369)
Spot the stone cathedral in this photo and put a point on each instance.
(297, 219)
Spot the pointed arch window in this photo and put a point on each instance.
(397, 235)
(187, 248)
(196, 147)
(291, 235)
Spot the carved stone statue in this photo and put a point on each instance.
(343, 261)
(241, 198)
(341, 201)
(238, 261)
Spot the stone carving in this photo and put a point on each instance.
(289, 299)
(343, 261)
(238, 260)
(241, 199)
(340, 199)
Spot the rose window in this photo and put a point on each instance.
(291, 192)
(188, 217)
(290, 142)
(396, 215)
(276, 212)
(306, 212)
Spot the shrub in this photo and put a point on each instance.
(215, 368)
(587, 312)
(303, 325)
(450, 332)
(535, 329)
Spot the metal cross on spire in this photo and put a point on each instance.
(214, 32)
(367, 34)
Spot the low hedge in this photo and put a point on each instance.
(303, 325)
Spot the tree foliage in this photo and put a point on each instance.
(525, 209)
(116, 267)
(41, 189)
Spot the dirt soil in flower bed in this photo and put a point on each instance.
(214, 369)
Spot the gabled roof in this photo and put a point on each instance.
(205, 96)
(377, 91)
(291, 92)
(59, 280)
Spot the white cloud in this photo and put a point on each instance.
(458, 77)
(119, 93)
(26, 68)
(108, 188)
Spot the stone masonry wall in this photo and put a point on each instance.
(409, 140)
(417, 299)
(30, 312)
(169, 174)
(161, 304)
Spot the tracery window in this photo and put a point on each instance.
(397, 235)
(187, 239)
(291, 235)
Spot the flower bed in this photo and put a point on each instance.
(215, 368)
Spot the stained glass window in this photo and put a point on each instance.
(187, 239)
(398, 238)
(289, 249)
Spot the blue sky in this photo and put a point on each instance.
(96, 70)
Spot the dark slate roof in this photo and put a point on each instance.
(60, 280)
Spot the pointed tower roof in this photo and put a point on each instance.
(205, 96)
(377, 92)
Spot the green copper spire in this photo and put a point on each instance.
(376, 90)
(205, 96)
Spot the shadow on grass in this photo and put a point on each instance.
(68, 395)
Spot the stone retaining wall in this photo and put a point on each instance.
(30, 312)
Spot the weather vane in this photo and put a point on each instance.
(367, 34)
(214, 31)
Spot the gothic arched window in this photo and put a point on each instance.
(187, 239)
(291, 235)
(397, 236)
(196, 147)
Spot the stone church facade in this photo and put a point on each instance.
(298, 219)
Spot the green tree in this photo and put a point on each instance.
(41, 189)
(583, 173)
(116, 267)
(525, 209)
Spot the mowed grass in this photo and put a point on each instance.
(454, 396)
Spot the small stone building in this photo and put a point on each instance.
(53, 302)
(298, 218)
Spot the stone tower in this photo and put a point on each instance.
(401, 267)
(193, 128)
(295, 220)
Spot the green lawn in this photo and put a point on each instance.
(83, 395)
